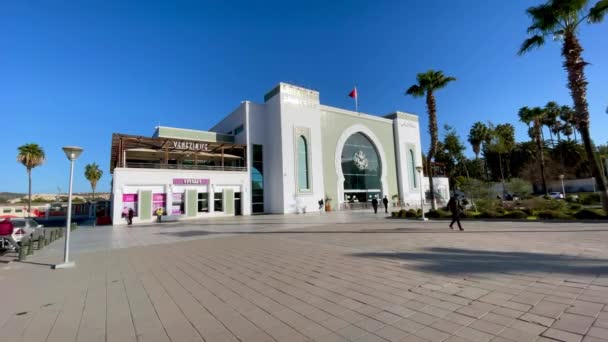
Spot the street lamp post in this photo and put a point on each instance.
(419, 169)
(561, 178)
(72, 152)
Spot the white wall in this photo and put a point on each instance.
(301, 112)
(127, 180)
(407, 132)
(230, 122)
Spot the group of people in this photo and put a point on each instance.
(6, 233)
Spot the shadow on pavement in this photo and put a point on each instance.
(457, 260)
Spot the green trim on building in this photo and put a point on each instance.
(191, 203)
(333, 124)
(190, 134)
(401, 115)
(145, 205)
(228, 198)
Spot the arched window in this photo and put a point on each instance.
(412, 165)
(361, 169)
(303, 183)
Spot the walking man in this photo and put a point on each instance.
(130, 215)
(321, 205)
(455, 207)
(385, 202)
(375, 205)
(159, 214)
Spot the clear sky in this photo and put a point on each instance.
(74, 72)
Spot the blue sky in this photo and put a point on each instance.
(74, 72)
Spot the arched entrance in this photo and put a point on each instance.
(360, 167)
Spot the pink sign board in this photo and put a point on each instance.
(158, 197)
(190, 181)
(129, 198)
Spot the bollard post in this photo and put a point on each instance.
(22, 253)
(43, 241)
(30, 248)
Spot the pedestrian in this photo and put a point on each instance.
(159, 214)
(375, 205)
(6, 233)
(130, 215)
(455, 207)
(385, 202)
(321, 204)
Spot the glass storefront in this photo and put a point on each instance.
(361, 168)
(257, 180)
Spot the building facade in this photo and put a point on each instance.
(280, 156)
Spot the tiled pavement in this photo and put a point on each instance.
(338, 278)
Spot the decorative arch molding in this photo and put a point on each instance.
(358, 128)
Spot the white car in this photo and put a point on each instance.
(24, 227)
(556, 195)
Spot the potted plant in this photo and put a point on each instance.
(327, 203)
(395, 198)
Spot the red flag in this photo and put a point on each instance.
(353, 93)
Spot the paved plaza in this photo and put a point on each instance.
(331, 277)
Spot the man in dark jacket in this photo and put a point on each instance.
(385, 202)
(375, 205)
(455, 207)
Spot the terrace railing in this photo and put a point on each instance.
(132, 165)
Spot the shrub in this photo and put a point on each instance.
(544, 204)
(551, 215)
(575, 207)
(402, 213)
(571, 199)
(394, 214)
(588, 214)
(432, 214)
(489, 214)
(411, 213)
(516, 214)
(589, 199)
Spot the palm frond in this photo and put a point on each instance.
(597, 12)
(533, 42)
(415, 91)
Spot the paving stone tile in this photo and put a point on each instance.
(391, 333)
(549, 309)
(455, 338)
(508, 312)
(541, 320)
(408, 325)
(487, 327)
(476, 309)
(579, 307)
(593, 339)
(351, 332)
(370, 338)
(431, 334)
(370, 324)
(423, 318)
(446, 326)
(573, 323)
(472, 292)
(332, 337)
(459, 318)
(474, 335)
(561, 335)
(598, 332)
(387, 317)
(532, 328)
(517, 335)
(529, 298)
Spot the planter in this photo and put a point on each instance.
(327, 207)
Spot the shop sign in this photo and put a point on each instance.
(190, 181)
(189, 145)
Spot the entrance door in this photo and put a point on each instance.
(237, 204)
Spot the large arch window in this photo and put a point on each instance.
(361, 168)
(303, 168)
(413, 176)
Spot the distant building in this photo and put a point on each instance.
(282, 156)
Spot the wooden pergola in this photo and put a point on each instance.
(157, 152)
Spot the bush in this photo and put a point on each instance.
(516, 214)
(588, 214)
(551, 215)
(544, 204)
(489, 214)
(402, 213)
(575, 207)
(571, 199)
(411, 213)
(394, 214)
(589, 199)
(439, 213)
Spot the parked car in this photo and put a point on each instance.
(25, 227)
(556, 195)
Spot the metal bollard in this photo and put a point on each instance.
(30, 248)
(42, 242)
(22, 252)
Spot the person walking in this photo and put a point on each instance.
(455, 207)
(159, 214)
(130, 215)
(6, 233)
(385, 202)
(375, 205)
(321, 205)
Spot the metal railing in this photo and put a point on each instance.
(132, 165)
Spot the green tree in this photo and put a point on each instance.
(561, 19)
(519, 187)
(566, 114)
(93, 174)
(501, 142)
(477, 136)
(537, 116)
(31, 156)
(427, 83)
(549, 118)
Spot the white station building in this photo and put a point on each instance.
(281, 156)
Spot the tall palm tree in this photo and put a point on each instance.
(566, 113)
(549, 119)
(93, 174)
(477, 136)
(501, 140)
(428, 83)
(536, 115)
(31, 156)
(561, 19)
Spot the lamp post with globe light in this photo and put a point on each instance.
(419, 169)
(561, 178)
(72, 152)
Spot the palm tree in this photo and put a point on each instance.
(536, 115)
(561, 19)
(93, 174)
(30, 155)
(501, 140)
(477, 136)
(567, 115)
(428, 83)
(549, 119)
